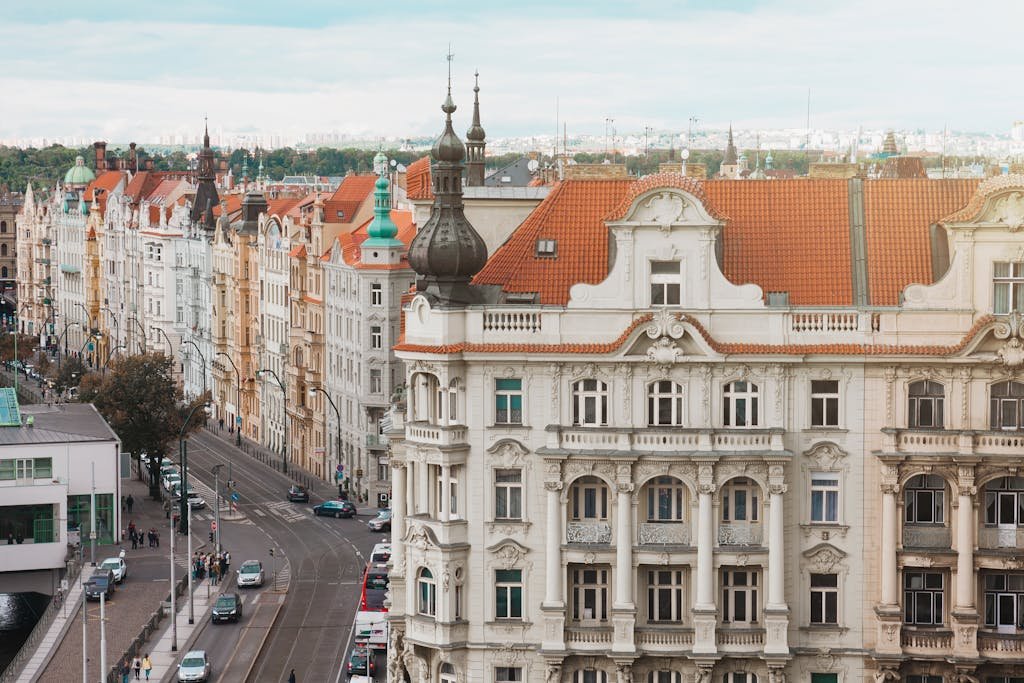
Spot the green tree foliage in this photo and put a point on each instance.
(144, 406)
(42, 167)
(72, 371)
(25, 345)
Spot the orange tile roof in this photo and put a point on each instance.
(897, 216)
(985, 189)
(352, 241)
(347, 199)
(417, 179)
(656, 180)
(142, 185)
(572, 214)
(106, 182)
(787, 236)
(233, 201)
(280, 207)
(298, 251)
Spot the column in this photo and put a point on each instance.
(705, 549)
(776, 573)
(398, 514)
(965, 551)
(889, 523)
(624, 548)
(553, 544)
(444, 497)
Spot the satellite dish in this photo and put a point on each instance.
(394, 163)
(533, 165)
(685, 154)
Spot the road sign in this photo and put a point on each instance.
(238, 420)
(234, 496)
(213, 526)
(341, 468)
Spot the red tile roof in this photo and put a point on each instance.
(280, 207)
(142, 185)
(106, 182)
(233, 201)
(897, 216)
(298, 251)
(656, 180)
(417, 179)
(349, 196)
(985, 189)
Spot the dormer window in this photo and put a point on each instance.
(547, 248)
(1008, 293)
(666, 281)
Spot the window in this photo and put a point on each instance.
(1008, 280)
(43, 468)
(740, 501)
(825, 403)
(508, 674)
(1004, 601)
(824, 678)
(740, 404)
(665, 283)
(589, 594)
(740, 677)
(547, 248)
(590, 676)
(1006, 405)
(376, 295)
(7, 470)
(825, 498)
(376, 337)
(383, 471)
(508, 594)
(508, 494)
(1004, 502)
(924, 500)
(926, 404)
(375, 381)
(589, 403)
(447, 672)
(824, 598)
(508, 401)
(589, 499)
(739, 596)
(665, 595)
(923, 598)
(666, 497)
(665, 404)
(664, 677)
(427, 603)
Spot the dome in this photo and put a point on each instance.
(380, 163)
(79, 174)
(448, 147)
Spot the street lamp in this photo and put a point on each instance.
(63, 335)
(94, 336)
(110, 354)
(238, 398)
(202, 359)
(186, 509)
(170, 346)
(142, 342)
(117, 328)
(284, 406)
(312, 392)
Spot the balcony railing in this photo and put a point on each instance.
(948, 442)
(994, 538)
(1000, 645)
(583, 638)
(376, 441)
(436, 435)
(664, 533)
(739, 637)
(926, 640)
(739, 534)
(926, 536)
(664, 440)
(588, 532)
(663, 639)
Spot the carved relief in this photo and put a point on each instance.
(508, 555)
(665, 324)
(890, 382)
(664, 352)
(1009, 210)
(826, 456)
(1011, 328)
(662, 208)
(509, 452)
(824, 558)
(705, 392)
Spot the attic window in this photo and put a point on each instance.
(521, 297)
(340, 214)
(547, 248)
(778, 299)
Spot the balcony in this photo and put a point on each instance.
(437, 435)
(739, 534)
(927, 536)
(376, 442)
(951, 442)
(996, 538)
(46, 241)
(425, 630)
(664, 639)
(595, 639)
(588, 532)
(739, 639)
(568, 440)
(451, 533)
(664, 533)
(993, 645)
(926, 641)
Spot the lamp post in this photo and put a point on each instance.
(174, 611)
(216, 485)
(238, 398)
(110, 355)
(117, 328)
(202, 359)
(337, 413)
(170, 346)
(63, 335)
(284, 406)
(142, 342)
(94, 336)
(186, 509)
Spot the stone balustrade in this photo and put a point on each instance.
(588, 532)
(664, 533)
(676, 440)
(739, 534)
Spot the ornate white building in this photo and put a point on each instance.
(727, 439)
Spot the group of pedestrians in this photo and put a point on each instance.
(216, 565)
(137, 666)
(138, 538)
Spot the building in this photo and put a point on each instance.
(10, 207)
(743, 430)
(59, 472)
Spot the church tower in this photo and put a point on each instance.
(475, 143)
(730, 163)
(382, 247)
(206, 186)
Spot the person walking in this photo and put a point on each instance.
(131, 502)
(147, 665)
(291, 677)
(137, 666)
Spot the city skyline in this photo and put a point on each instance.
(114, 72)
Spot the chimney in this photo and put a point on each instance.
(149, 163)
(133, 161)
(100, 148)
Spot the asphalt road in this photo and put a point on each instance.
(325, 560)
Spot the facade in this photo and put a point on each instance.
(741, 444)
(275, 272)
(34, 245)
(10, 207)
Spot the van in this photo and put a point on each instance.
(381, 553)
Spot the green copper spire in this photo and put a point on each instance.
(382, 230)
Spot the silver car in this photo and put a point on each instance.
(194, 667)
(250, 574)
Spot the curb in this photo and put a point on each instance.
(263, 641)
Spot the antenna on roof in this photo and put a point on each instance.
(554, 146)
(449, 58)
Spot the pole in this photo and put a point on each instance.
(238, 407)
(85, 634)
(216, 484)
(103, 635)
(15, 357)
(174, 611)
(191, 607)
(92, 519)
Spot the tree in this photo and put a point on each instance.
(25, 345)
(145, 408)
(71, 373)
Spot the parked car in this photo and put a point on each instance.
(250, 574)
(195, 666)
(118, 566)
(100, 583)
(170, 480)
(335, 508)
(381, 553)
(382, 522)
(298, 494)
(360, 662)
(227, 608)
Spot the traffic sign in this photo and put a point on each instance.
(341, 468)
(234, 496)
(213, 526)
(238, 420)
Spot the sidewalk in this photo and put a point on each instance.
(165, 660)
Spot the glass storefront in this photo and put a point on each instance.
(79, 516)
(27, 524)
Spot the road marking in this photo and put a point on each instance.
(259, 512)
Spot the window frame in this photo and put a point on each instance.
(826, 403)
(507, 395)
(992, 601)
(929, 489)
(752, 498)
(735, 392)
(376, 294)
(927, 396)
(426, 593)
(600, 586)
(824, 599)
(1013, 282)
(674, 589)
(745, 594)
(998, 404)
(666, 284)
(376, 336)
(508, 493)
(677, 498)
(513, 589)
(935, 597)
(826, 487)
(582, 394)
(658, 395)
(508, 674)
(578, 504)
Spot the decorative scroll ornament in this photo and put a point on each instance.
(665, 324)
(1010, 211)
(1012, 329)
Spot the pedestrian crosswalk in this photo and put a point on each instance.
(287, 511)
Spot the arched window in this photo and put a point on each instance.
(448, 673)
(426, 406)
(1006, 405)
(590, 403)
(3, 250)
(924, 500)
(740, 404)
(427, 588)
(3, 226)
(741, 501)
(1004, 502)
(666, 500)
(925, 404)
(664, 404)
(590, 676)
(588, 499)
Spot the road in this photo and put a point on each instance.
(325, 560)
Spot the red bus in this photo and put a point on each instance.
(375, 587)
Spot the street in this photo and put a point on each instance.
(323, 558)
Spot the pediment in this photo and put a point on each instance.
(508, 451)
(508, 553)
(997, 203)
(667, 339)
(825, 557)
(421, 536)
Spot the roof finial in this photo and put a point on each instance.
(450, 56)
(449, 106)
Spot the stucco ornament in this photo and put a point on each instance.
(665, 327)
(1009, 211)
(1012, 329)
(663, 208)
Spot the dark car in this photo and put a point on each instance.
(100, 583)
(335, 508)
(382, 522)
(360, 662)
(227, 608)
(298, 494)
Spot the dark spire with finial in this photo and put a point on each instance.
(447, 252)
(206, 186)
(730, 150)
(475, 143)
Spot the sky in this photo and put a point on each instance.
(122, 70)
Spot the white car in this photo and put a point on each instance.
(170, 480)
(195, 666)
(116, 565)
(381, 553)
(250, 574)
